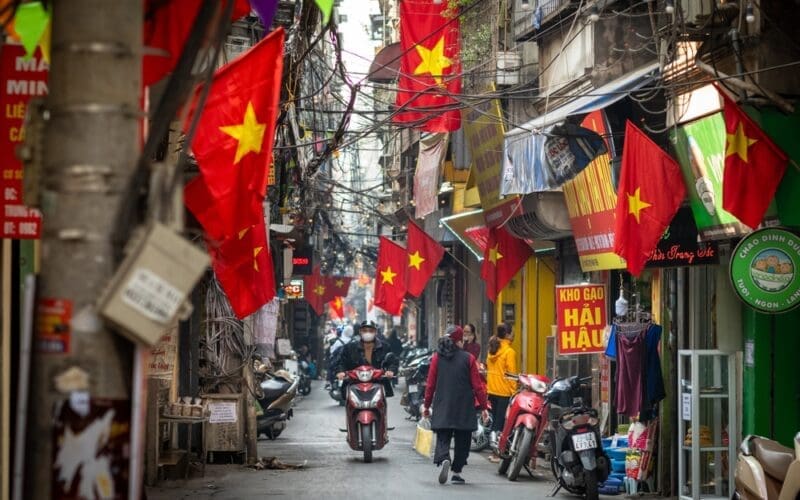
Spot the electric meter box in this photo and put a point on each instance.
(149, 290)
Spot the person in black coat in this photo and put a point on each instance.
(455, 388)
(370, 351)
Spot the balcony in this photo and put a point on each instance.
(531, 21)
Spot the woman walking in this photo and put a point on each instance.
(454, 386)
(501, 360)
(471, 343)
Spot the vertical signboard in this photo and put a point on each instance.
(700, 150)
(21, 78)
(483, 130)
(581, 318)
(591, 203)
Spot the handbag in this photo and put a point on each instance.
(423, 440)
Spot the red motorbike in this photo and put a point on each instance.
(526, 419)
(365, 407)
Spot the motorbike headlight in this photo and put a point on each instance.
(364, 375)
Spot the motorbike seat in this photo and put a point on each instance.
(773, 457)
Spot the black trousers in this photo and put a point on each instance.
(499, 405)
(462, 441)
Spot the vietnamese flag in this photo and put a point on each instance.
(336, 286)
(225, 216)
(754, 166)
(316, 291)
(243, 267)
(505, 254)
(650, 192)
(424, 255)
(390, 280)
(430, 70)
(336, 308)
(233, 143)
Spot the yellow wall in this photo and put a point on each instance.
(535, 284)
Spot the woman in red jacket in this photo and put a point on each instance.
(471, 343)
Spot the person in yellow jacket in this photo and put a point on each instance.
(500, 360)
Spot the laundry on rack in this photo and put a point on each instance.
(640, 384)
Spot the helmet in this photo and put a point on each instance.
(368, 324)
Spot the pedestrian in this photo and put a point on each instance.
(501, 360)
(454, 387)
(395, 344)
(471, 343)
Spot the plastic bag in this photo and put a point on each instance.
(423, 440)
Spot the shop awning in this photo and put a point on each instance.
(595, 99)
(386, 66)
(470, 229)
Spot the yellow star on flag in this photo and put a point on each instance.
(256, 251)
(494, 254)
(738, 143)
(433, 61)
(388, 275)
(249, 133)
(338, 302)
(636, 204)
(415, 260)
(319, 290)
(339, 283)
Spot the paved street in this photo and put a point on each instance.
(334, 471)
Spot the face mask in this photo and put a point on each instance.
(368, 336)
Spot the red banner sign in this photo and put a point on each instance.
(581, 318)
(21, 79)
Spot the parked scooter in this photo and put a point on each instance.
(414, 392)
(526, 419)
(365, 410)
(278, 390)
(767, 470)
(577, 460)
(304, 385)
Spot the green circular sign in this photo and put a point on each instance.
(764, 270)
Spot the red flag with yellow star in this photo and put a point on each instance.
(233, 143)
(390, 280)
(650, 192)
(424, 255)
(505, 254)
(430, 70)
(336, 286)
(316, 291)
(754, 166)
(336, 308)
(225, 216)
(243, 266)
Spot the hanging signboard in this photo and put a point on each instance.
(679, 247)
(22, 79)
(700, 149)
(764, 270)
(591, 203)
(581, 318)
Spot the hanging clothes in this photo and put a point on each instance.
(654, 390)
(631, 359)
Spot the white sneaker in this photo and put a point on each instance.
(444, 472)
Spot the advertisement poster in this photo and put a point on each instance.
(581, 318)
(91, 446)
(484, 133)
(591, 203)
(21, 80)
(53, 326)
(700, 149)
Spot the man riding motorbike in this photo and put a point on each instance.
(369, 350)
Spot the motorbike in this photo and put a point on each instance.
(577, 458)
(414, 393)
(365, 410)
(481, 435)
(304, 385)
(277, 392)
(335, 392)
(526, 419)
(766, 470)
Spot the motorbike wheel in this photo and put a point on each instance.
(521, 454)
(503, 467)
(590, 479)
(557, 469)
(273, 434)
(305, 389)
(366, 442)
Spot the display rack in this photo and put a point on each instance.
(707, 424)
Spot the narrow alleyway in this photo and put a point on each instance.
(334, 471)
